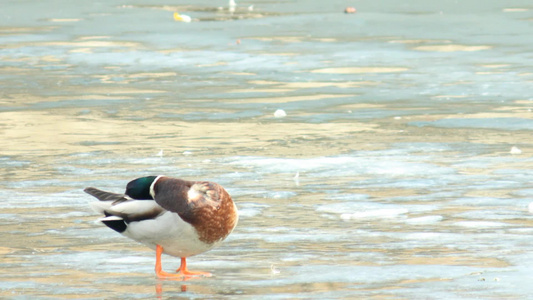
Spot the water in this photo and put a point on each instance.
(390, 177)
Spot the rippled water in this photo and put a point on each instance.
(393, 174)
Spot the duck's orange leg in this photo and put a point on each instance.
(158, 268)
(182, 271)
(185, 272)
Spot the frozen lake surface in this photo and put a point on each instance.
(401, 169)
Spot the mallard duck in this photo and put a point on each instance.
(173, 216)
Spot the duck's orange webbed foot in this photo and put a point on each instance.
(185, 272)
(182, 273)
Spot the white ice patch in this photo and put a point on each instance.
(384, 213)
(349, 197)
(130, 260)
(248, 210)
(363, 210)
(280, 195)
(521, 230)
(487, 123)
(479, 201)
(424, 220)
(243, 192)
(480, 224)
(524, 193)
(437, 196)
(73, 199)
(343, 166)
(424, 236)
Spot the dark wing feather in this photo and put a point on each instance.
(117, 225)
(105, 196)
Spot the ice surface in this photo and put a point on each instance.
(342, 166)
(481, 224)
(402, 140)
(424, 220)
(492, 123)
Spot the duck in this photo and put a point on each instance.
(172, 216)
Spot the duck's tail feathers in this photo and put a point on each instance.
(114, 222)
(102, 207)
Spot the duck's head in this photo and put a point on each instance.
(140, 188)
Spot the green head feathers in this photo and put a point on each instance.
(140, 188)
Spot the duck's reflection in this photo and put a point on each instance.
(159, 289)
(183, 287)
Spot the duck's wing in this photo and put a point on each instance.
(122, 206)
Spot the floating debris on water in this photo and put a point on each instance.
(182, 18)
(350, 10)
(280, 113)
(515, 150)
(232, 5)
(274, 270)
